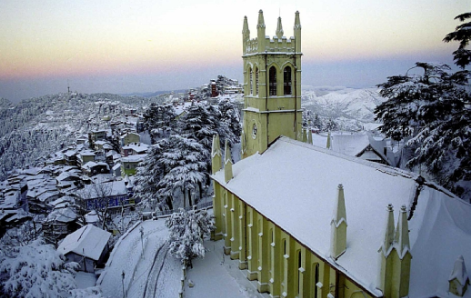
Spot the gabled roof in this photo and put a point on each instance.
(88, 241)
(294, 185)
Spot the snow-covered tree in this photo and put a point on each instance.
(186, 163)
(159, 117)
(19, 236)
(200, 123)
(230, 117)
(187, 231)
(149, 173)
(432, 108)
(462, 33)
(36, 270)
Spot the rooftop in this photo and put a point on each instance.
(304, 179)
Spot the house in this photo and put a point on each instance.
(111, 195)
(59, 223)
(112, 157)
(96, 135)
(85, 156)
(130, 163)
(88, 246)
(305, 221)
(68, 179)
(70, 157)
(134, 148)
(116, 170)
(129, 138)
(92, 168)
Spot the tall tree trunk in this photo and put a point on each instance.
(190, 202)
(200, 185)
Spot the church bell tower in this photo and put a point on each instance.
(272, 86)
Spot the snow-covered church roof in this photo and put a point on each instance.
(295, 185)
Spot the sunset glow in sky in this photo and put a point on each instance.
(146, 45)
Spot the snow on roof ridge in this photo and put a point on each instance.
(380, 167)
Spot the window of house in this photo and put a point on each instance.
(287, 80)
(272, 81)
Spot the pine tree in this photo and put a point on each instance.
(158, 117)
(149, 173)
(200, 123)
(433, 110)
(229, 116)
(187, 231)
(462, 33)
(186, 165)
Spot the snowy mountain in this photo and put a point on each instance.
(341, 102)
(5, 103)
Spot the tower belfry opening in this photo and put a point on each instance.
(272, 85)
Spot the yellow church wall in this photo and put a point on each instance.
(279, 263)
(252, 247)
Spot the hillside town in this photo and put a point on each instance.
(262, 188)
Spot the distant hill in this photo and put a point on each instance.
(5, 103)
(342, 102)
(153, 94)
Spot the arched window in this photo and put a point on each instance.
(250, 81)
(300, 276)
(316, 278)
(287, 80)
(272, 81)
(256, 81)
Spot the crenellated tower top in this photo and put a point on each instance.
(277, 44)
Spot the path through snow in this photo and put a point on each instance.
(142, 271)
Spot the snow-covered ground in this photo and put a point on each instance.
(218, 276)
(152, 274)
(158, 274)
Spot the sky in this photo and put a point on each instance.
(120, 46)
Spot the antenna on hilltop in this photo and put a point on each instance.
(68, 87)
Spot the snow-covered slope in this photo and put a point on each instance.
(341, 102)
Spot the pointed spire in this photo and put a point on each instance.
(246, 30)
(279, 28)
(309, 135)
(228, 163)
(261, 21)
(402, 233)
(297, 32)
(216, 156)
(389, 233)
(297, 22)
(459, 274)
(459, 271)
(338, 226)
(340, 213)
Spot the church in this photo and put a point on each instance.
(305, 221)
